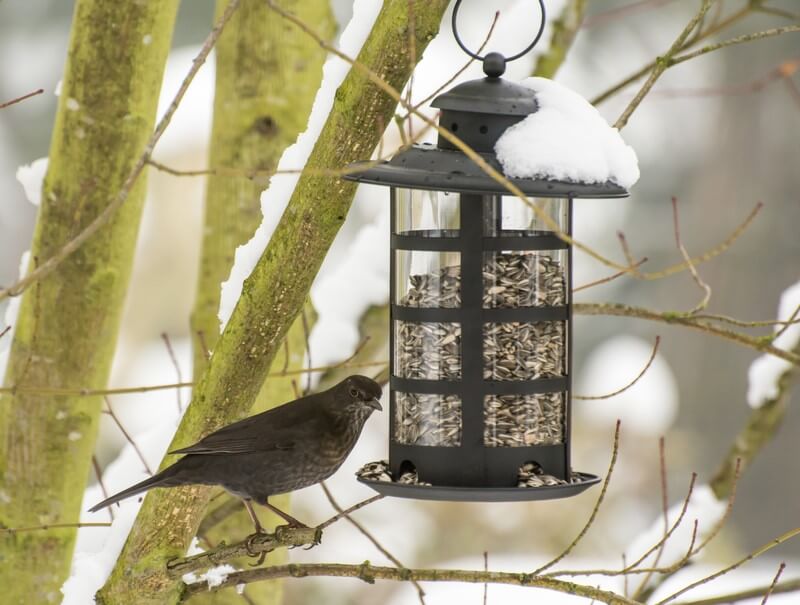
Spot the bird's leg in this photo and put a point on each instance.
(259, 530)
(252, 513)
(285, 516)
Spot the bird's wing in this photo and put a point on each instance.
(276, 429)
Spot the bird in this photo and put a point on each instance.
(289, 447)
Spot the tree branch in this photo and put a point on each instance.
(369, 573)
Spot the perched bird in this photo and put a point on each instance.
(284, 449)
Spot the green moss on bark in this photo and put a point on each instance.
(67, 326)
(274, 294)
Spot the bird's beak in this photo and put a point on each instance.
(375, 404)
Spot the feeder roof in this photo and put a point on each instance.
(488, 95)
(427, 166)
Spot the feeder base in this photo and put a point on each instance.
(579, 483)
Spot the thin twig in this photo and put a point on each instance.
(634, 567)
(631, 383)
(756, 553)
(176, 365)
(83, 392)
(347, 511)
(662, 471)
(752, 593)
(595, 509)
(661, 65)
(611, 277)
(701, 306)
(777, 577)
(485, 584)
(22, 98)
(99, 476)
(768, 33)
(127, 436)
(46, 267)
(16, 530)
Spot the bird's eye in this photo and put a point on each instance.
(353, 393)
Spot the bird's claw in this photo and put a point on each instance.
(249, 543)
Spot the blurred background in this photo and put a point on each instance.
(720, 133)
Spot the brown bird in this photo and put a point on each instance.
(287, 448)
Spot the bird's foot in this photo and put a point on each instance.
(250, 543)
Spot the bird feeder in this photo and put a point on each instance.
(480, 310)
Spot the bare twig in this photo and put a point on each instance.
(485, 584)
(17, 530)
(768, 33)
(22, 98)
(756, 553)
(701, 306)
(632, 382)
(595, 510)
(619, 310)
(176, 365)
(47, 266)
(735, 597)
(347, 511)
(611, 277)
(777, 577)
(661, 65)
(662, 471)
(634, 568)
(127, 436)
(99, 476)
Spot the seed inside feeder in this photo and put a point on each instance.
(511, 351)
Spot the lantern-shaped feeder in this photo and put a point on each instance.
(481, 309)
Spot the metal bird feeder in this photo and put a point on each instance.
(481, 310)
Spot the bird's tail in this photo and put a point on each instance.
(159, 479)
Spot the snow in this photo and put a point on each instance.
(766, 371)
(340, 303)
(276, 197)
(31, 177)
(213, 577)
(90, 569)
(649, 407)
(567, 140)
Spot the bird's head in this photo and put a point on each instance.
(362, 394)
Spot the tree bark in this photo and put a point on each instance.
(273, 295)
(67, 327)
(267, 77)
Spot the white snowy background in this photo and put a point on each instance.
(719, 155)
